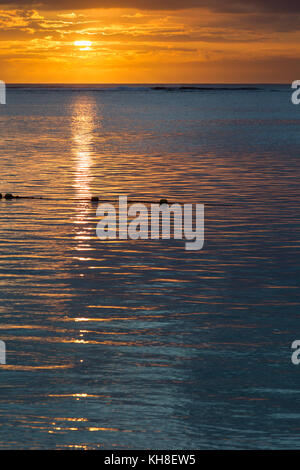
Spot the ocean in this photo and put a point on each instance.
(140, 344)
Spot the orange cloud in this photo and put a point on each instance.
(139, 45)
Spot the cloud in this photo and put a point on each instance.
(68, 16)
(230, 39)
(231, 6)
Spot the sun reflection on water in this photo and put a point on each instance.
(84, 122)
(83, 127)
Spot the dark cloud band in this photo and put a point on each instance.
(230, 6)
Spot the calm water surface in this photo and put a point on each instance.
(141, 344)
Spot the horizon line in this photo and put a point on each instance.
(147, 83)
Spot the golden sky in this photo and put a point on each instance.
(143, 41)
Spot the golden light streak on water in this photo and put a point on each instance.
(83, 125)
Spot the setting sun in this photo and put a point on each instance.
(84, 45)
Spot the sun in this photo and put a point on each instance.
(84, 45)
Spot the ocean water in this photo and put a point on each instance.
(125, 344)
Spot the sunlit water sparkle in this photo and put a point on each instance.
(141, 344)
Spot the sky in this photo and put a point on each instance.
(150, 41)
